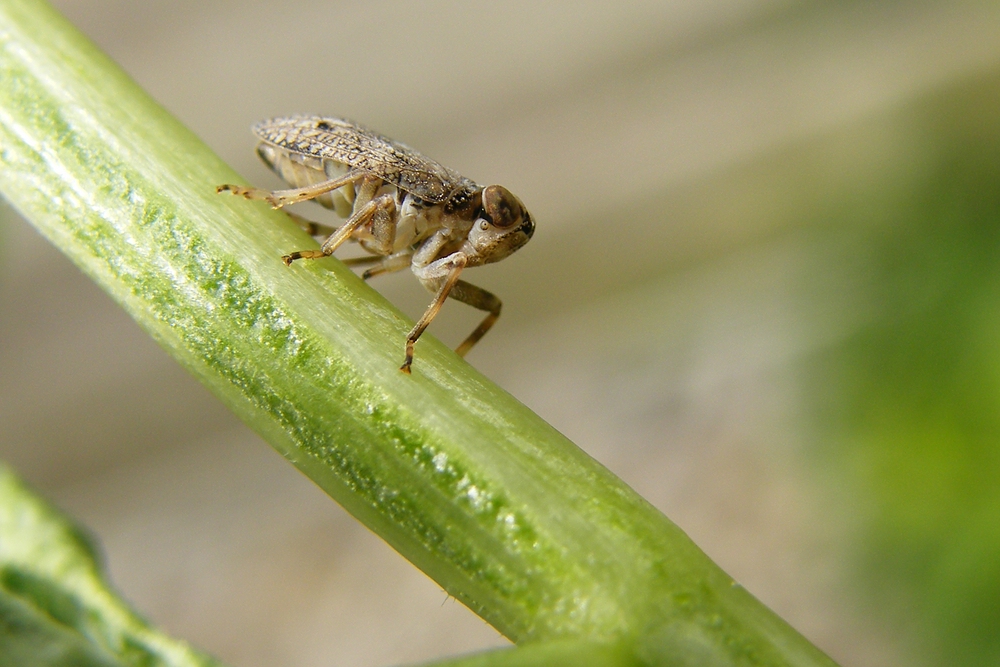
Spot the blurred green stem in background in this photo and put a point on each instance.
(909, 405)
(55, 608)
(469, 485)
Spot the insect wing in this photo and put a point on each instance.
(360, 148)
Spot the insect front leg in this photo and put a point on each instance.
(479, 298)
(448, 269)
(280, 198)
(383, 205)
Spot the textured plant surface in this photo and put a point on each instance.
(494, 504)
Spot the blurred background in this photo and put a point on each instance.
(764, 290)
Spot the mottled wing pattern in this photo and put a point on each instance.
(358, 147)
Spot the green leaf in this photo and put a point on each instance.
(55, 608)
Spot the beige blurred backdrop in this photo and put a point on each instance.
(667, 151)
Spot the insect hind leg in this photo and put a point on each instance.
(281, 198)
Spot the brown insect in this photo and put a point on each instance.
(403, 208)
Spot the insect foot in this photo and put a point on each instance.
(240, 191)
(302, 254)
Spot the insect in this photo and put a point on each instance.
(403, 208)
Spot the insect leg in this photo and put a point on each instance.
(280, 198)
(383, 205)
(390, 264)
(479, 298)
(455, 268)
(361, 261)
(366, 191)
(382, 227)
(311, 227)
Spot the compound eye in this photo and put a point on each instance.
(528, 227)
(501, 206)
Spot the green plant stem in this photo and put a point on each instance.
(469, 485)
